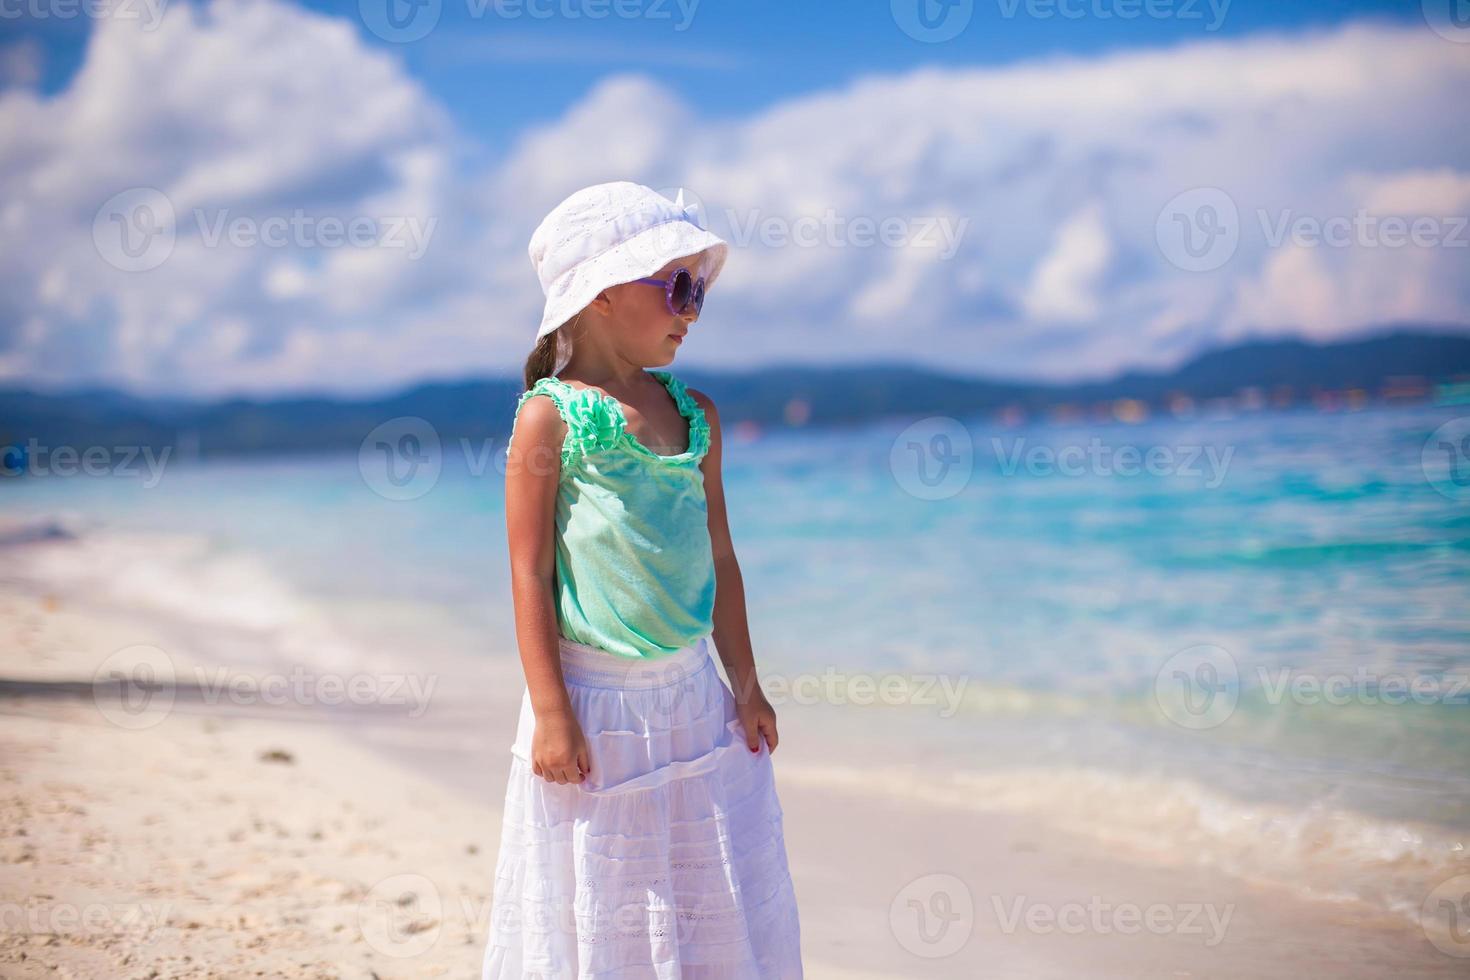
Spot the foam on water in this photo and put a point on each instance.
(183, 578)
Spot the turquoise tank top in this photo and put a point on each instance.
(635, 571)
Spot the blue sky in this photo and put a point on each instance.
(1065, 191)
(499, 74)
(736, 56)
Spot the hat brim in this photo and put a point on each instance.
(636, 257)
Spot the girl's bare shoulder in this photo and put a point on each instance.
(538, 422)
(705, 401)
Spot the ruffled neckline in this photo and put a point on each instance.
(607, 425)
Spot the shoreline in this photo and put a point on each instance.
(298, 841)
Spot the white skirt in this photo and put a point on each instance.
(667, 862)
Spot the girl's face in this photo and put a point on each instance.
(644, 328)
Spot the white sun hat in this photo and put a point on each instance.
(609, 234)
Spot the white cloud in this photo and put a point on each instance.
(286, 280)
(1395, 248)
(242, 115)
(1065, 283)
(1295, 290)
(1440, 193)
(1053, 171)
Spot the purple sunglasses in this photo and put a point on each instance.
(680, 290)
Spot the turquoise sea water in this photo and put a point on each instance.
(1168, 633)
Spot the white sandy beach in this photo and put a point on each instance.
(237, 836)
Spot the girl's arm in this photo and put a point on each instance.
(532, 472)
(731, 627)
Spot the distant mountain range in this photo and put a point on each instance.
(1285, 371)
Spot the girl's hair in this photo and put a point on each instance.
(542, 360)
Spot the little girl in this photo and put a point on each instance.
(642, 835)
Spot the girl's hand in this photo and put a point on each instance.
(559, 750)
(759, 719)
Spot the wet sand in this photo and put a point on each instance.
(221, 837)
